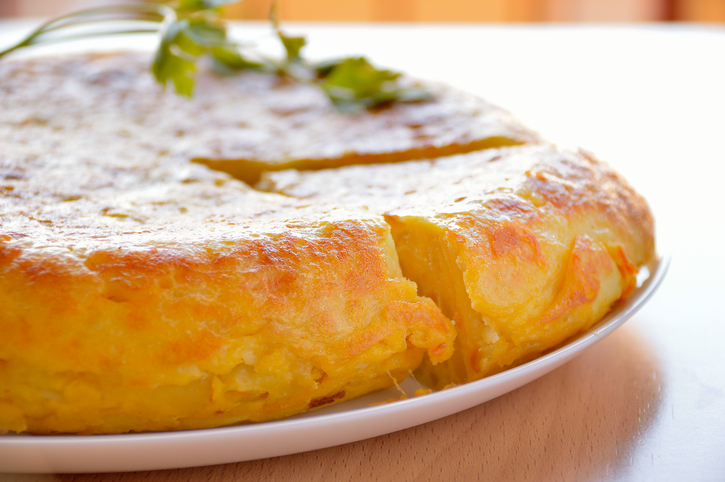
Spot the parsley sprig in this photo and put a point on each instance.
(354, 84)
(192, 29)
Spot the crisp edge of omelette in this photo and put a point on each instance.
(325, 316)
(534, 265)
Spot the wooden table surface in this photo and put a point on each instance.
(646, 403)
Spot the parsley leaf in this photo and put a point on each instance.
(170, 64)
(200, 5)
(292, 45)
(226, 60)
(192, 29)
(354, 84)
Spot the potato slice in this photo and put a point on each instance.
(522, 247)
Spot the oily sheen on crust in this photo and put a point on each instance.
(522, 247)
(140, 294)
(148, 292)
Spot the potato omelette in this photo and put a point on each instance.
(145, 288)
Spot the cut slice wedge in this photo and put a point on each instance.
(522, 247)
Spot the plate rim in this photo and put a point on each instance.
(25, 453)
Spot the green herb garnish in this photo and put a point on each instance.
(192, 29)
(292, 45)
(353, 84)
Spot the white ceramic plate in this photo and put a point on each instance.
(347, 422)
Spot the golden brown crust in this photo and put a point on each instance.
(243, 124)
(244, 318)
(538, 241)
(143, 294)
(520, 183)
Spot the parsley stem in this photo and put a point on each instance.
(93, 34)
(136, 18)
(142, 12)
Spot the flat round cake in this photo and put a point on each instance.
(146, 287)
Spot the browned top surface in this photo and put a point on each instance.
(513, 182)
(60, 190)
(252, 117)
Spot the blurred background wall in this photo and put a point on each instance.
(434, 10)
